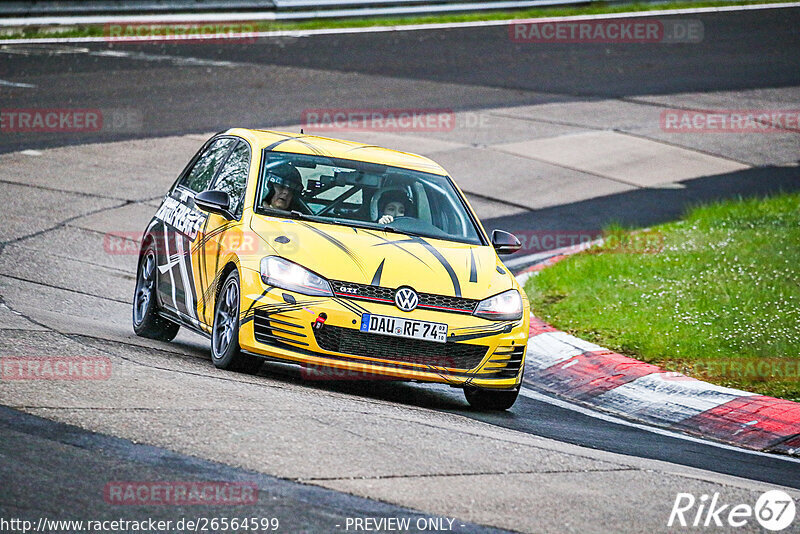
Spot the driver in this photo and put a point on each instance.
(284, 185)
(392, 204)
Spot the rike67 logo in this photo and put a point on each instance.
(774, 510)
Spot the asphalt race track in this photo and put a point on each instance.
(272, 81)
(322, 452)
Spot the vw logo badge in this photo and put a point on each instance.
(406, 299)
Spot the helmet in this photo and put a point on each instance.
(282, 173)
(386, 195)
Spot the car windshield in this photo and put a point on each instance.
(356, 193)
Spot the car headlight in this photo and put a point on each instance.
(506, 306)
(282, 273)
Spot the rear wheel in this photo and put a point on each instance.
(490, 399)
(146, 320)
(225, 350)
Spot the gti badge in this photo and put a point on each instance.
(351, 290)
(406, 299)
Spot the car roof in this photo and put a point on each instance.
(337, 148)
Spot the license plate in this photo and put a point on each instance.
(400, 327)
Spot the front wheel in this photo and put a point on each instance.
(489, 399)
(225, 350)
(146, 320)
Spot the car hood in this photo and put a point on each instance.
(367, 256)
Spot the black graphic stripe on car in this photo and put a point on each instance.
(276, 144)
(276, 309)
(478, 335)
(438, 255)
(385, 241)
(341, 246)
(257, 300)
(376, 278)
(212, 234)
(352, 306)
(503, 325)
(187, 276)
(473, 270)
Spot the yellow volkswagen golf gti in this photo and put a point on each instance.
(336, 256)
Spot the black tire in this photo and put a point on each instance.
(490, 399)
(225, 350)
(146, 320)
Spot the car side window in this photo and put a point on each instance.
(233, 177)
(206, 166)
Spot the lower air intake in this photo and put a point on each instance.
(350, 341)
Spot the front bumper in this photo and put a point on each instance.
(281, 324)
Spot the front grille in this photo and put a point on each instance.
(355, 342)
(271, 330)
(363, 291)
(429, 301)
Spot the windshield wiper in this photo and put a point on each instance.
(374, 226)
(294, 214)
(404, 232)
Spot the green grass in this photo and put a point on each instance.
(725, 289)
(31, 32)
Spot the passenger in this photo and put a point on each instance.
(392, 204)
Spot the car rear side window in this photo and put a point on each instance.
(206, 166)
(233, 177)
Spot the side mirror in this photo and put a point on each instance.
(504, 242)
(214, 202)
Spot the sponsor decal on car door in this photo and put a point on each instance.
(181, 224)
(184, 225)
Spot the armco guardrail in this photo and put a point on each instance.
(38, 8)
(45, 12)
